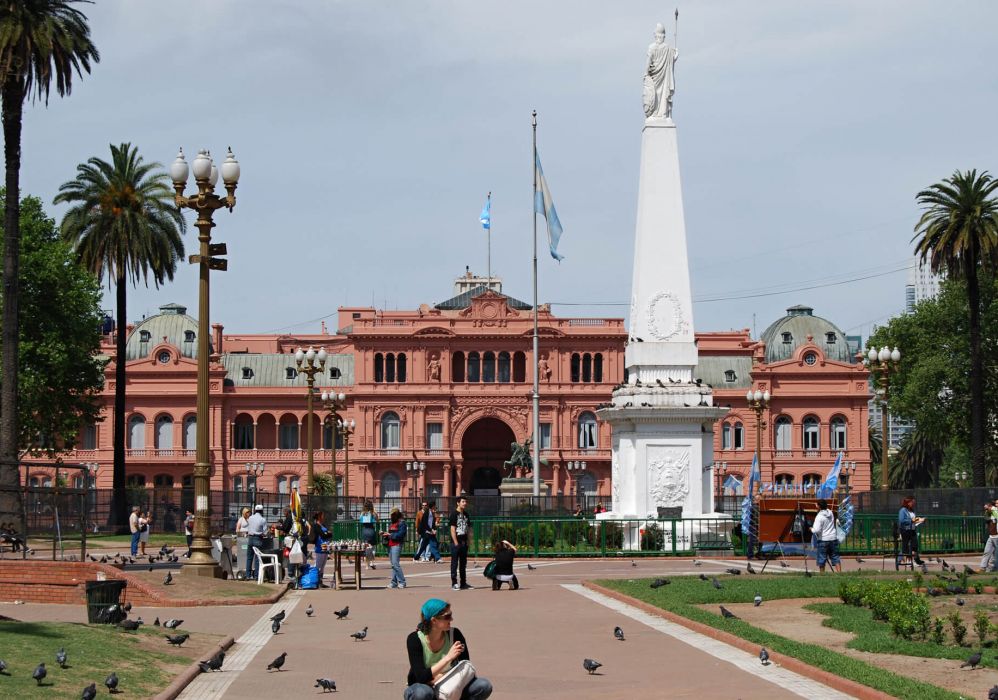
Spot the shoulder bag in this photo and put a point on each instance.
(490, 570)
(453, 683)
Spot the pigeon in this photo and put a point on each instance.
(127, 607)
(764, 656)
(325, 684)
(808, 574)
(591, 665)
(156, 622)
(275, 626)
(40, 673)
(112, 683)
(214, 663)
(925, 568)
(169, 579)
(360, 636)
(697, 562)
(749, 568)
(945, 565)
(279, 617)
(172, 624)
(309, 610)
(61, 657)
(972, 661)
(727, 614)
(960, 602)
(860, 560)
(633, 563)
(703, 577)
(150, 567)
(659, 582)
(177, 639)
(3, 668)
(968, 570)
(934, 592)
(278, 662)
(531, 567)
(784, 565)
(757, 601)
(716, 584)
(90, 692)
(618, 633)
(342, 614)
(734, 572)
(130, 625)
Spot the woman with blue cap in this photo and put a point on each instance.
(433, 649)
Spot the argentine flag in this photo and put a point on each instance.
(827, 489)
(486, 215)
(543, 204)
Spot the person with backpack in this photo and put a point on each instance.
(426, 526)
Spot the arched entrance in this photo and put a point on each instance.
(484, 448)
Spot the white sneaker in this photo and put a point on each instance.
(456, 587)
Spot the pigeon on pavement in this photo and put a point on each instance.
(61, 657)
(360, 636)
(325, 684)
(309, 610)
(341, 614)
(40, 673)
(716, 584)
(734, 572)
(278, 662)
(757, 601)
(697, 562)
(784, 565)
(727, 614)
(214, 663)
(764, 656)
(112, 683)
(618, 633)
(156, 622)
(749, 568)
(90, 692)
(279, 617)
(860, 560)
(275, 626)
(531, 567)
(169, 579)
(633, 563)
(177, 639)
(972, 661)
(591, 665)
(172, 624)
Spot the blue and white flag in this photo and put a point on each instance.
(543, 204)
(486, 216)
(754, 476)
(827, 489)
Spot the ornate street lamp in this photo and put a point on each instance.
(883, 363)
(311, 363)
(414, 469)
(720, 469)
(254, 470)
(334, 403)
(347, 428)
(205, 202)
(758, 401)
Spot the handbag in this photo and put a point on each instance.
(453, 683)
(490, 570)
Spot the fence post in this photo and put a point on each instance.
(537, 538)
(866, 532)
(673, 538)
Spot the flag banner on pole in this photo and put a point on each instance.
(295, 511)
(827, 489)
(486, 216)
(754, 476)
(544, 205)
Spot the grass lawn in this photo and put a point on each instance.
(93, 650)
(156, 540)
(685, 593)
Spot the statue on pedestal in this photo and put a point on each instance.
(660, 78)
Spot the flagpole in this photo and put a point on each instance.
(488, 233)
(537, 398)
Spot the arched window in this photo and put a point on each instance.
(587, 367)
(237, 484)
(191, 432)
(327, 436)
(135, 480)
(243, 437)
(838, 433)
(585, 484)
(598, 368)
(379, 367)
(489, 367)
(811, 482)
(784, 430)
(282, 484)
(588, 431)
(474, 367)
(251, 485)
(400, 368)
(287, 433)
(390, 367)
(288, 483)
(457, 367)
(163, 481)
(784, 479)
(164, 433)
(575, 367)
(137, 432)
(812, 438)
(726, 436)
(739, 435)
(391, 485)
(504, 368)
(390, 431)
(88, 437)
(519, 367)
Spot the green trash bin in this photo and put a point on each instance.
(104, 601)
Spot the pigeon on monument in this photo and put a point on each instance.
(279, 617)
(172, 624)
(90, 692)
(61, 657)
(591, 665)
(275, 626)
(309, 610)
(278, 662)
(618, 633)
(325, 684)
(177, 639)
(757, 601)
(764, 656)
(40, 673)
(972, 661)
(112, 683)
(360, 636)
(342, 614)
(727, 614)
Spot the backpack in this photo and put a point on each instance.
(490, 570)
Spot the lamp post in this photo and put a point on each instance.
(961, 477)
(311, 363)
(848, 470)
(347, 428)
(883, 363)
(205, 202)
(576, 467)
(90, 495)
(414, 469)
(720, 469)
(334, 403)
(758, 401)
(254, 470)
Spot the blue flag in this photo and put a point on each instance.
(754, 476)
(486, 215)
(543, 204)
(827, 489)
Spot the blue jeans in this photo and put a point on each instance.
(828, 550)
(478, 689)
(395, 557)
(135, 542)
(251, 542)
(431, 548)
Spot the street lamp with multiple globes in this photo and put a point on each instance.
(334, 403)
(311, 363)
(254, 470)
(415, 470)
(758, 401)
(883, 363)
(576, 466)
(205, 202)
(347, 428)
(720, 469)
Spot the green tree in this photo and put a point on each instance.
(40, 40)
(60, 371)
(958, 234)
(876, 452)
(123, 223)
(917, 462)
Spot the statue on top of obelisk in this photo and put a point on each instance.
(660, 77)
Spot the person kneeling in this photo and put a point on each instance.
(503, 573)
(433, 649)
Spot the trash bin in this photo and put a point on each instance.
(226, 556)
(104, 601)
(240, 552)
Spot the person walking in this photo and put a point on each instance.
(460, 538)
(503, 573)
(256, 528)
(433, 649)
(990, 558)
(420, 552)
(320, 544)
(828, 539)
(369, 532)
(427, 529)
(395, 540)
(907, 524)
(133, 527)
(189, 531)
(145, 522)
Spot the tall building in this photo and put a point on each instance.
(922, 284)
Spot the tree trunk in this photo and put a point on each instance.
(10, 495)
(119, 496)
(976, 373)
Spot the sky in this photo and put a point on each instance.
(370, 133)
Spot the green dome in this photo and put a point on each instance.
(171, 323)
(788, 333)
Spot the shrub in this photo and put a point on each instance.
(918, 581)
(978, 587)
(653, 538)
(959, 629)
(574, 532)
(937, 631)
(895, 603)
(964, 580)
(613, 532)
(982, 626)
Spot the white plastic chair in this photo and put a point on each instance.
(264, 562)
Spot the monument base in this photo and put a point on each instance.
(521, 488)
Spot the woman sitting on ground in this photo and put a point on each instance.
(503, 573)
(433, 648)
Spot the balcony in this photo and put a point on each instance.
(154, 453)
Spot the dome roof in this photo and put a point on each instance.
(788, 333)
(171, 323)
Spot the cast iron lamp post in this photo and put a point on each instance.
(884, 362)
(347, 428)
(254, 470)
(758, 401)
(334, 403)
(205, 202)
(415, 470)
(311, 363)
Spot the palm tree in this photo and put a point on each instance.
(917, 463)
(959, 236)
(122, 222)
(39, 40)
(876, 451)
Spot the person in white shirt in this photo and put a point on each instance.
(990, 558)
(828, 540)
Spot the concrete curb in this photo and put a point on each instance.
(788, 662)
(185, 677)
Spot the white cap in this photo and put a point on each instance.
(258, 507)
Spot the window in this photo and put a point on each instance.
(327, 437)
(88, 437)
(286, 484)
(164, 357)
(545, 443)
(390, 367)
(588, 434)
(811, 482)
(164, 433)
(188, 336)
(784, 430)
(811, 436)
(137, 432)
(489, 367)
(598, 368)
(334, 373)
(287, 434)
(729, 375)
(247, 372)
(519, 367)
(190, 432)
(830, 338)
(838, 433)
(575, 367)
(784, 482)
(391, 485)
(251, 485)
(585, 484)
(244, 433)
(504, 373)
(726, 436)
(379, 367)
(237, 484)
(135, 480)
(390, 429)
(810, 358)
(788, 338)
(739, 436)
(587, 368)
(163, 481)
(474, 367)
(434, 436)
(290, 373)
(144, 336)
(457, 367)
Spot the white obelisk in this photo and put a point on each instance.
(663, 417)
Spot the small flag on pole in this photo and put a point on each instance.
(543, 204)
(486, 215)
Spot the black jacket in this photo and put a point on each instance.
(419, 672)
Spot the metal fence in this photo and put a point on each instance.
(928, 502)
